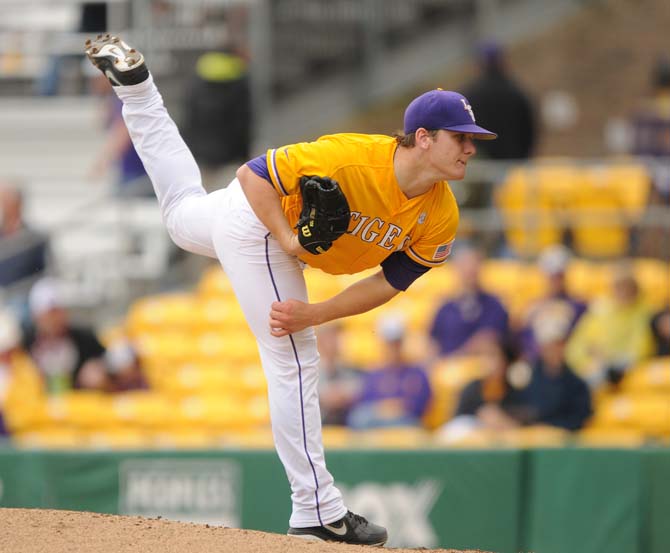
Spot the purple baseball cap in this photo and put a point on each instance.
(443, 109)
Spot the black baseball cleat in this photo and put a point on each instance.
(122, 64)
(352, 529)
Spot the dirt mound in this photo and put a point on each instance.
(42, 531)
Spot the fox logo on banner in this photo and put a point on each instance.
(401, 507)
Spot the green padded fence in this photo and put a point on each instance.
(507, 501)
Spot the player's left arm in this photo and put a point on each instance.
(397, 274)
(287, 317)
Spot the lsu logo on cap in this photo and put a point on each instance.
(467, 107)
(441, 252)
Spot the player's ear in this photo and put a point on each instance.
(422, 138)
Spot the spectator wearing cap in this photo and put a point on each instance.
(62, 352)
(614, 333)
(124, 368)
(553, 263)
(398, 393)
(555, 395)
(473, 315)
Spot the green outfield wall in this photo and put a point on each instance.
(507, 501)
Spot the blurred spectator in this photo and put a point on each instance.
(651, 123)
(339, 384)
(502, 106)
(217, 114)
(396, 394)
(93, 19)
(20, 386)
(660, 329)
(491, 402)
(23, 251)
(555, 395)
(473, 315)
(117, 152)
(614, 333)
(651, 138)
(553, 263)
(62, 352)
(124, 369)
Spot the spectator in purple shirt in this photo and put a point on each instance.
(398, 393)
(473, 315)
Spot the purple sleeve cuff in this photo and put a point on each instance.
(259, 166)
(400, 270)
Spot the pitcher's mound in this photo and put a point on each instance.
(42, 531)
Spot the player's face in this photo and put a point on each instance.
(450, 153)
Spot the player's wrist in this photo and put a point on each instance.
(291, 244)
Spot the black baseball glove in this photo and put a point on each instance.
(325, 214)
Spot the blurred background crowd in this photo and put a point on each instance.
(550, 323)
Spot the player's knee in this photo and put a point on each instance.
(175, 232)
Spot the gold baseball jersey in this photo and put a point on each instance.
(383, 219)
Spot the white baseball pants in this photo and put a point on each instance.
(223, 225)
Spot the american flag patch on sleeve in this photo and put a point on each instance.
(441, 252)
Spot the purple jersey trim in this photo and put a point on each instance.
(302, 405)
(259, 165)
(276, 173)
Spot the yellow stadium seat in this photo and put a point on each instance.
(50, 437)
(477, 438)
(647, 412)
(649, 376)
(165, 348)
(217, 413)
(440, 282)
(81, 409)
(632, 184)
(598, 219)
(533, 436)
(361, 349)
(24, 405)
(653, 276)
(218, 314)
(610, 437)
(227, 347)
(214, 283)
(159, 313)
(531, 200)
(143, 408)
(401, 437)
(251, 438)
(516, 283)
(588, 280)
(192, 438)
(118, 438)
(447, 377)
(522, 437)
(337, 436)
(321, 286)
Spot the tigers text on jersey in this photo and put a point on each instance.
(383, 219)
